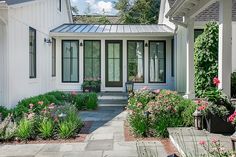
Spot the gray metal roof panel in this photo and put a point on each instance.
(12, 2)
(96, 28)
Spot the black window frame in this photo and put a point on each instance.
(100, 50)
(62, 59)
(149, 43)
(54, 58)
(142, 59)
(199, 31)
(173, 57)
(34, 53)
(59, 5)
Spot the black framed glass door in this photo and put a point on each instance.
(114, 64)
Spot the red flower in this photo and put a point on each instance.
(201, 108)
(216, 81)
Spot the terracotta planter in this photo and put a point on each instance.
(215, 124)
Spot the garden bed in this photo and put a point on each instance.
(80, 137)
(168, 146)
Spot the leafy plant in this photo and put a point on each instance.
(46, 127)
(206, 58)
(25, 129)
(4, 112)
(233, 85)
(66, 129)
(92, 101)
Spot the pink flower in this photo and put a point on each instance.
(214, 140)
(40, 102)
(216, 81)
(157, 91)
(145, 88)
(44, 111)
(31, 115)
(202, 142)
(31, 106)
(51, 106)
(139, 104)
(201, 108)
(198, 101)
(73, 93)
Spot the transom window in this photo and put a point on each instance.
(136, 61)
(70, 61)
(32, 53)
(92, 59)
(157, 61)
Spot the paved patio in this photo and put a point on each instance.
(106, 139)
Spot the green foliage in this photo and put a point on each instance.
(139, 124)
(92, 101)
(138, 11)
(4, 112)
(233, 85)
(70, 126)
(206, 58)
(25, 129)
(46, 127)
(165, 108)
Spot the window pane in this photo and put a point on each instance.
(110, 70)
(135, 61)
(92, 59)
(116, 50)
(53, 57)
(157, 62)
(32, 53)
(110, 50)
(70, 61)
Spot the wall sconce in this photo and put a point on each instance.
(146, 44)
(81, 44)
(47, 40)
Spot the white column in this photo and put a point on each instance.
(225, 45)
(190, 94)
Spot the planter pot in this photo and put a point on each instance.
(92, 89)
(215, 124)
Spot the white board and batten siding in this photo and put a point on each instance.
(77, 86)
(42, 15)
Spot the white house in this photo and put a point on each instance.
(42, 50)
(185, 16)
(26, 57)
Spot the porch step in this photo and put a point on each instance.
(112, 99)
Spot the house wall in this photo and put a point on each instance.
(164, 8)
(43, 16)
(77, 86)
(234, 47)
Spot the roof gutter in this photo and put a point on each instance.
(178, 22)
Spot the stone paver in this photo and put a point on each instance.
(106, 139)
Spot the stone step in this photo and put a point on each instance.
(113, 94)
(112, 101)
(111, 105)
(110, 97)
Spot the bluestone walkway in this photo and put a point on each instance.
(106, 139)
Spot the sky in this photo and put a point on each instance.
(97, 6)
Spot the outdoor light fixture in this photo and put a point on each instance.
(129, 86)
(197, 119)
(81, 44)
(47, 40)
(146, 44)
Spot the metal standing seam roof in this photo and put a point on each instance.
(113, 28)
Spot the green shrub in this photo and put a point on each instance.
(206, 58)
(60, 96)
(166, 109)
(80, 101)
(92, 101)
(4, 112)
(139, 124)
(25, 129)
(70, 125)
(233, 85)
(46, 128)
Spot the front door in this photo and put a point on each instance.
(114, 63)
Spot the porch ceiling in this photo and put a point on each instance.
(188, 8)
(111, 30)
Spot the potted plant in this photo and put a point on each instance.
(216, 109)
(91, 85)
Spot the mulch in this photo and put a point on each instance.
(168, 146)
(80, 137)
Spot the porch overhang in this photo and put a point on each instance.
(187, 9)
(90, 30)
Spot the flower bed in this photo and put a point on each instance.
(152, 112)
(53, 115)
